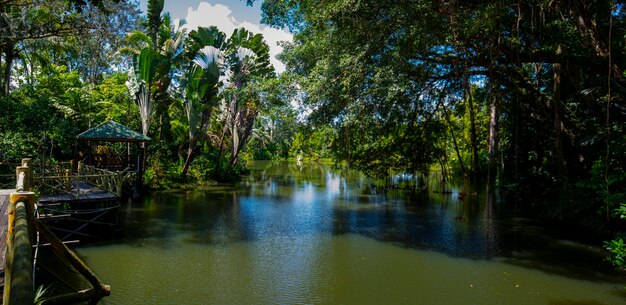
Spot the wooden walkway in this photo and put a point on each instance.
(83, 192)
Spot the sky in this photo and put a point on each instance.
(227, 15)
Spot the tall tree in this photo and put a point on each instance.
(157, 54)
(201, 83)
(247, 57)
(22, 21)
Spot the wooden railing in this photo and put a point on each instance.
(109, 181)
(61, 180)
(18, 267)
(54, 168)
(7, 181)
(22, 228)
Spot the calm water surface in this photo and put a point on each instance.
(307, 234)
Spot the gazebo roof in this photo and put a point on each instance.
(112, 131)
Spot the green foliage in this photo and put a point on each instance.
(114, 102)
(40, 294)
(617, 250)
(17, 145)
(314, 144)
(147, 62)
(609, 182)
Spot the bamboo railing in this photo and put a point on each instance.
(22, 228)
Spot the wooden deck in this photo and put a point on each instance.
(83, 192)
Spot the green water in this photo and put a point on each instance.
(306, 234)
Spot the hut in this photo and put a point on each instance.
(114, 147)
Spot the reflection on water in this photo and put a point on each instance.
(292, 234)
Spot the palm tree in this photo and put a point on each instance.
(156, 57)
(248, 62)
(201, 83)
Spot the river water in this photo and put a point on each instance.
(307, 234)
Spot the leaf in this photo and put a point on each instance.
(148, 60)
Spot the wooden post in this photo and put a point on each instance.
(80, 167)
(22, 176)
(18, 280)
(119, 183)
(28, 162)
(68, 180)
(141, 163)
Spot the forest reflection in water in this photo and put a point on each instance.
(309, 234)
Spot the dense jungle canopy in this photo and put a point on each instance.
(526, 93)
(530, 92)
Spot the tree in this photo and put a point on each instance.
(156, 56)
(533, 77)
(24, 24)
(247, 62)
(200, 83)
(95, 51)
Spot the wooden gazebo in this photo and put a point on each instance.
(97, 153)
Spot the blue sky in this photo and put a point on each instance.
(178, 8)
(226, 15)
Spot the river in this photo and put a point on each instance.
(308, 234)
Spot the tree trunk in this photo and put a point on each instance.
(493, 137)
(558, 124)
(187, 160)
(1, 51)
(473, 137)
(8, 52)
(587, 27)
(244, 118)
(220, 150)
(145, 107)
(516, 133)
(456, 146)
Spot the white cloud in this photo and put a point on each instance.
(222, 16)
